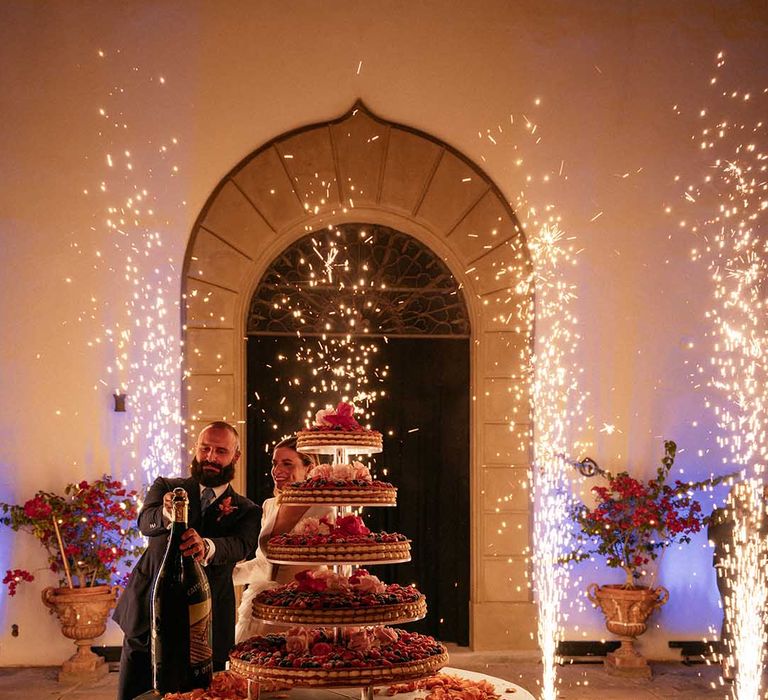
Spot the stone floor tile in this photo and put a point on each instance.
(671, 681)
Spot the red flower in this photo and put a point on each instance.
(320, 649)
(13, 577)
(37, 509)
(343, 416)
(226, 508)
(351, 525)
(308, 583)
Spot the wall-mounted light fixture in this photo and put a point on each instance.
(119, 402)
(586, 467)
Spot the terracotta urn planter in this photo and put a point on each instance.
(83, 614)
(626, 613)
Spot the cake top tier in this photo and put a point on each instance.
(338, 428)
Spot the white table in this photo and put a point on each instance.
(505, 689)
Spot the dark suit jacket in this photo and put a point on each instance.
(235, 536)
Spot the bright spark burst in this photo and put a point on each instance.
(745, 605)
(549, 377)
(140, 328)
(342, 362)
(730, 202)
(556, 401)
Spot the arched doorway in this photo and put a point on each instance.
(370, 314)
(361, 168)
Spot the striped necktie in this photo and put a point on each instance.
(206, 498)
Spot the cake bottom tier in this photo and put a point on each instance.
(327, 665)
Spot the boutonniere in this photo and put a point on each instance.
(226, 508)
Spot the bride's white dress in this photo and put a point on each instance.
(260, 574)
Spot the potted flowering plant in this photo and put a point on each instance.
(88, 533)
(632, 523)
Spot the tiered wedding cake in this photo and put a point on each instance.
(354, 647)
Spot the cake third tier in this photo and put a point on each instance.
(347, 540)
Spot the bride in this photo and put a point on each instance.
(288, 465)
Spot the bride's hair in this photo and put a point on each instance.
(290, 443)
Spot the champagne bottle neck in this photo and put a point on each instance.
(180, 511)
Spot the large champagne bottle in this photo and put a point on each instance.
(182, 652)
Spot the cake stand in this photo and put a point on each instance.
(341, 455)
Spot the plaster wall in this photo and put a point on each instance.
(607, 148)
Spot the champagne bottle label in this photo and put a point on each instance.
(200, 651)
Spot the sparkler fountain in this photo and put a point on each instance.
(555, 398)
(556, 402)
(734, 248)
(139, 325)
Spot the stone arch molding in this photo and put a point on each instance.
(362, 168)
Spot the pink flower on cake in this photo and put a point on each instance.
(361, 472)
(351, 525)
(321, 649)
(356, 574)
(321, 471)
(226, 508)
(359, 640)
(343, 472)
(332, 580)
(385, 635)
(320, 418)
(311, 526)
(367, 583)
(296, 640)
(319, 581)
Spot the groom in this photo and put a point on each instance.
(223, 529)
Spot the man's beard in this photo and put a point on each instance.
(223, 476)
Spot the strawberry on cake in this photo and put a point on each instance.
(329, 598)
(363, 656)
(338, 428)
(340, 484)
(347, 540)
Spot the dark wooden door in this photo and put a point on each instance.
(424, 417)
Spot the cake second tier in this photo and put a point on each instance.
(345, 541)
(353, 492)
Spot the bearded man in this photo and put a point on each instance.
(223, 529)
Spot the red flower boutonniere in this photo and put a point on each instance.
(226, 508)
